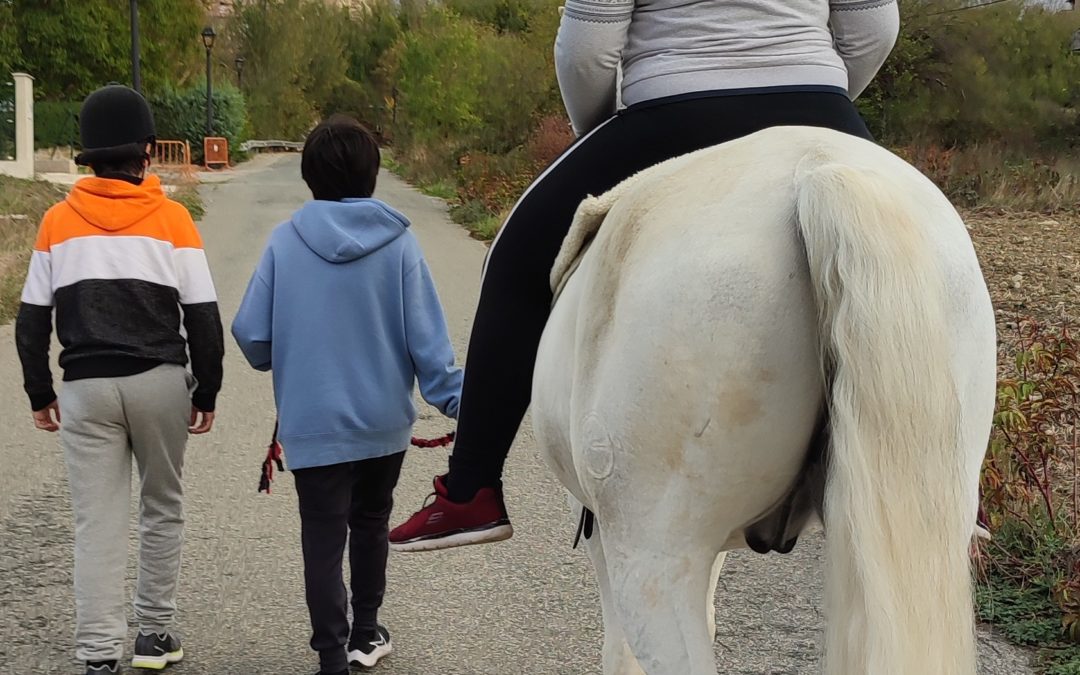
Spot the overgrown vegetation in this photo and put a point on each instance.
(71, 47)
(483, 126)
(295, 59)
(985, 101)
(982, 100)
(181, 115)
(1031, 571)
(56, 124)
(22, 204)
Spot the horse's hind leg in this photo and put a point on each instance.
(618, 659)
(661, 600)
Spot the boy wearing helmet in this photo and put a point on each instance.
(122, 266)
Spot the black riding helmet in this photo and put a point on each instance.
(115, 124)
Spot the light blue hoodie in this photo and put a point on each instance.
(343, 310)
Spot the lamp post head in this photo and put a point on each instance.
(208, 36)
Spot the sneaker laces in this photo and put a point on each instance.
(429, 500)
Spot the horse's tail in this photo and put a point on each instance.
(896, 513)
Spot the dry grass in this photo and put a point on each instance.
(22, 204)
(990, 175)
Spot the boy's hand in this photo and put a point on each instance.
(201, 421)
(48, 418)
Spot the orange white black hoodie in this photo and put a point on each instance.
(119, 261)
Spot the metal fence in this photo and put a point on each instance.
(172, 153)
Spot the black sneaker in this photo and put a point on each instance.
(366, 650)
(101, 667)
(154, 652)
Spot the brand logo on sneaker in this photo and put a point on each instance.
(435, 517)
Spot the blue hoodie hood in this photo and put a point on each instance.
(344, 231)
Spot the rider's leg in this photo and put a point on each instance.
(515, 298)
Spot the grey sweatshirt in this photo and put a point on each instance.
(670, 47)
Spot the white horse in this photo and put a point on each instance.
(788, 327)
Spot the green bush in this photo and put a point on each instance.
(352, 98)
(994, 74)
(72, 47)
(296, 53)
(7, 120)
(465, 84)
(56, 124)
(181, 116)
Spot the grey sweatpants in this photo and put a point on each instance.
(104, 422)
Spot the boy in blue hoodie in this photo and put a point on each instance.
(343, 310)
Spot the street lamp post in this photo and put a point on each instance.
(136, 75)
(239, 72)
(208, 36)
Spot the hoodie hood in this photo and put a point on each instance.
(348, 230)
(115, 204)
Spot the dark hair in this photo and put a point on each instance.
(128, 167)
(340, 159)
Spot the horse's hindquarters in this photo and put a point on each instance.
(693, 375)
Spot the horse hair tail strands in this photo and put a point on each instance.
(898, 584)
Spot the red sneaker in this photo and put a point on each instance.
(446, 524)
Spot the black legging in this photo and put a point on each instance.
(516, 297)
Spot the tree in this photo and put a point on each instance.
(9, 48)
(72, 47)
(295, 61)
(172, 51)
(967, 77)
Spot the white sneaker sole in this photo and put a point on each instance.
(358, 659)
(157, 662)
(488, 536)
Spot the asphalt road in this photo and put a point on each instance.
(525, 606)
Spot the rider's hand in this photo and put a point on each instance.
(48, 418)
(201, 421)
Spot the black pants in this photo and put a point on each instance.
(354, 499)
(516, 297)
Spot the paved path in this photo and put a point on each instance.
(527, 606)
